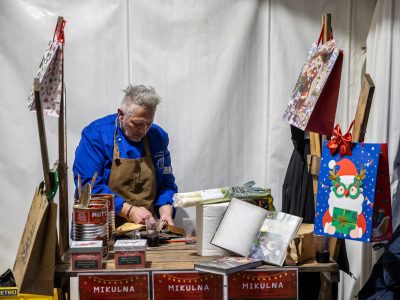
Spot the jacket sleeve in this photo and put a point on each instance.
(90, 157)
(168, 187)
(391, 261)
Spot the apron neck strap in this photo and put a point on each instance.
(116, 149)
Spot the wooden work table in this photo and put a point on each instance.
(179, 256)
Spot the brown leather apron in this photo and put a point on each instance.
(133, 179)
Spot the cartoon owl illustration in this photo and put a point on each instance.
(345, 212)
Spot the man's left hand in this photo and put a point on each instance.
(166, 215)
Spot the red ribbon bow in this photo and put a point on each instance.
(343, 142)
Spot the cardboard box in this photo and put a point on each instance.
(86, 255)
(130, 254)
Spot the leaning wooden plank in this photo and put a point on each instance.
(315, 138)
(360, 126)
(363, 108)
(42, 135)
(62, 157)
(315, 150)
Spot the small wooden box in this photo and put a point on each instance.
(130, 254)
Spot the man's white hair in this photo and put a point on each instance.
(141, 95)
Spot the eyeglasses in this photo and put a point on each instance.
(139, 124)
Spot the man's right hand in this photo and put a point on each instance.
(137, 214)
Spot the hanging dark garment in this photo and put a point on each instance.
(297, 191)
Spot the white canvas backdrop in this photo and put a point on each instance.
(224, 69)
(383, 64)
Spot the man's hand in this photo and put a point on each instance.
(135, 214)
(139, 215)
(166, 215)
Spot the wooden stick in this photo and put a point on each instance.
(335, 243)
(315, 150)
(360, 125)
(60, 19)
(358, 134)
(42, 134)
(315, 138)
(363, 108)
(327, 21)
(62, 167)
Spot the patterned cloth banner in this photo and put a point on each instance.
(50, 77)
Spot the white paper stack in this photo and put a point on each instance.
(208, 218)
(239, 227)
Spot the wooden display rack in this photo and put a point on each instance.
(40, 232)
(358, 134)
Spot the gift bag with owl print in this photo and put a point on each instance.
(353, 200)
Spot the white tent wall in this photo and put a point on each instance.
(96, 68)
(383, 65)
(224, 70)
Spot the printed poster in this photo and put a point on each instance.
(263, 284)
(114, 286)
(188, 285)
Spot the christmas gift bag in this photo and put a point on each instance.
(314, 99)
(353, 199)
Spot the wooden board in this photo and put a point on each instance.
(42, 135)
(62, 163)
(315, 150)
(358, 134)
(363, 108)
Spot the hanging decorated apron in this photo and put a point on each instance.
(133, 179)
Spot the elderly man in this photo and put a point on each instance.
(130, 155)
